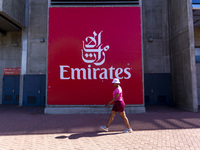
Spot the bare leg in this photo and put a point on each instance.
(123, 115)
(112, 115)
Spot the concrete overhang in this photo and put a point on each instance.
(7, 25)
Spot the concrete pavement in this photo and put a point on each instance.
(161, 128)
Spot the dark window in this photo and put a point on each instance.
(94, 2)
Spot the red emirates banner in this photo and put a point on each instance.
(88, 47)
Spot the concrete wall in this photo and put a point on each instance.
(10, 53)
(183, 68)
(166, 22)
(155, 25)
(14, 9)
(37, 51)
(34, 52)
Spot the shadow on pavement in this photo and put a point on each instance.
(15, 120)
(87, 134)
(61, 137)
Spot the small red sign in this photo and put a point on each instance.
(11, 71)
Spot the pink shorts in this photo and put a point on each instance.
(118, 106)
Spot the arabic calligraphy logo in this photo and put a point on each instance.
(92, 51)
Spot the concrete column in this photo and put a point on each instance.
(37, 37)
(34, 41)
(182, 55)
(24, 52)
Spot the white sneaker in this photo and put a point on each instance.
(128, 130)
(104, 128)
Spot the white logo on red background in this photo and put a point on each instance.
(92, 51)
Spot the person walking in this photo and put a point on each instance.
(117, 107)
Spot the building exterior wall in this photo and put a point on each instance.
(168, 43)
(155, 26)
(34, 49)
(37, 30)
(156, 53)
(183, 68)
(14, 9)
(10, 54)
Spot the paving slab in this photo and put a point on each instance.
(160, 128)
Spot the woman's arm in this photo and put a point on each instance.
(116, 96)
